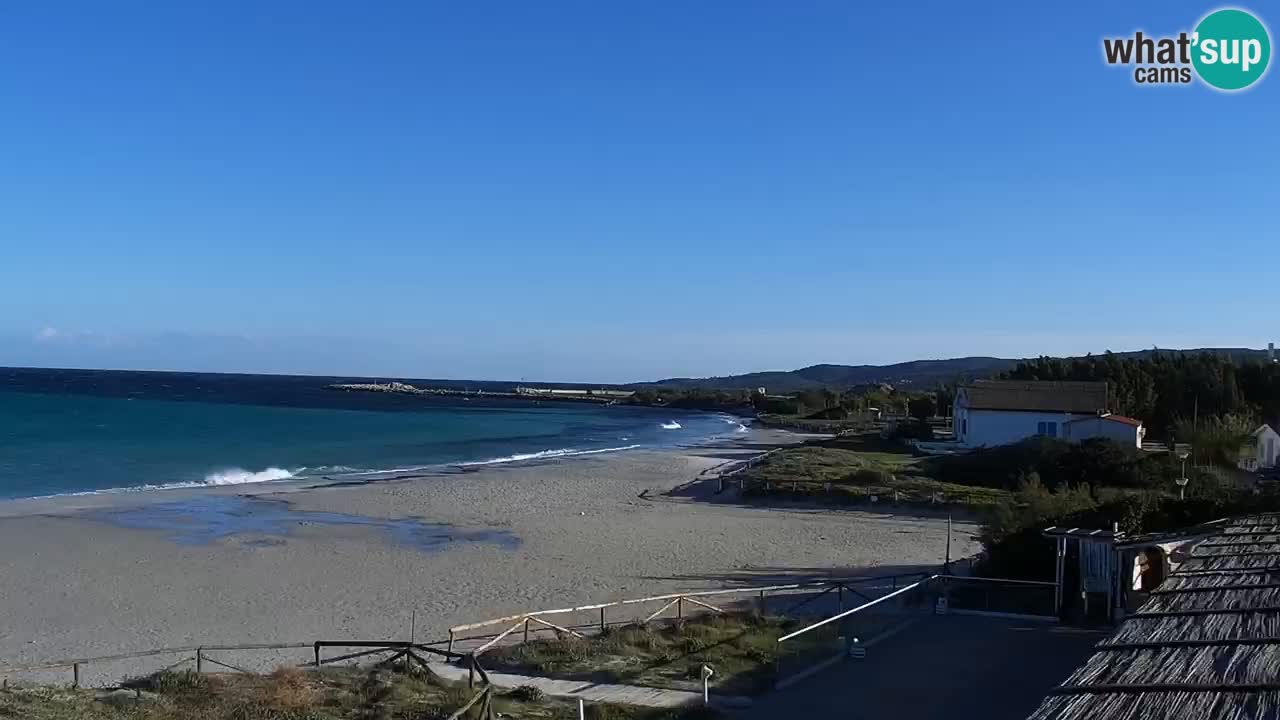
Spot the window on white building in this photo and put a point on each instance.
(1049, 429)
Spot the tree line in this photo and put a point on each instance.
(1169, 391)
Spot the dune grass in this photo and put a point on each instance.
(859, 470)
(740, 647)
(294, 694)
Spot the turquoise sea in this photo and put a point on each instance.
(76, 431)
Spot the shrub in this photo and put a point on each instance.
(288, 687)
(175, 681)
(696, 644)
(1012, 534)
(912, 430)
(1100, 462)
(528, 693)
(922, 408)
(871, 477)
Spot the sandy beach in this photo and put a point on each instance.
(105, 574)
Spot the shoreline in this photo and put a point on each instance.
(44, 504)
(500, 540)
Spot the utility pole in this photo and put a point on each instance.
(1182, 481)
(947, 566)
(1195, 426)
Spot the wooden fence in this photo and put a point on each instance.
(741, 469)
(410, 653)
(530, 623)
(199, 656)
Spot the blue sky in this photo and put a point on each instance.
(614, 191)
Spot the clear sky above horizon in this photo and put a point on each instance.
(616, 191)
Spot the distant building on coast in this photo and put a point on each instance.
(566, 393)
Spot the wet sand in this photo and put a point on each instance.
(98, 575)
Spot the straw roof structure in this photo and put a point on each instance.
(1206, 644)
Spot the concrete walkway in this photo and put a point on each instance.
(593, 692)
(941, 668)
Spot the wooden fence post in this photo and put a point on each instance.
(526, 629)
(75, 675)
(200, 660)
(317, 655)
(603, 625)
(679, 608)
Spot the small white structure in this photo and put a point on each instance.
(1124, 430)
(1000, 412)
(1261, 451)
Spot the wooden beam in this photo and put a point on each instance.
(1163, 687)
(1183, 591)
(1212, 642)
(494, 641)
(540, 621)
(1206, 611)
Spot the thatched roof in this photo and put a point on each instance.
(1085, 398)
(1205, 645)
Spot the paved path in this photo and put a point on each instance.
(941, 668)
(594, 692)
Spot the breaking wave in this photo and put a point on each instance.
(543, 455)
(237, 476)
(673, 425)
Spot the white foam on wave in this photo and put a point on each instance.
(673, 425)
(331, 470)
(238, 476)
(544, 454)
(231, 476)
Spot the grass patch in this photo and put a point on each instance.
(740, 647)
(294, 694)
(856, 469)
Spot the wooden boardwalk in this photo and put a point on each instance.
(593, 692)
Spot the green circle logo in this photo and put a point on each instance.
(1232, 49)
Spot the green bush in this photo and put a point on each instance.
(1099, 462)
(912, 430)
(1013, 532)
(871, 477)
(528, 693)
(174, 681)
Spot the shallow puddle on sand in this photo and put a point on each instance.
(200, 521)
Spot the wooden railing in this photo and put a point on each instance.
(694, 601)
(742, 468)
(200, 657)
(407, 652)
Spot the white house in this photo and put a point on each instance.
(1262, 451)
(1124, 430)
(1000, 412)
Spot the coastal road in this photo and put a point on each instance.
(941, 668)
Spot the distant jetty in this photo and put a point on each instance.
(526, 393)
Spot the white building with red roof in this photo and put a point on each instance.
(999, 412)
(1124, 430)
